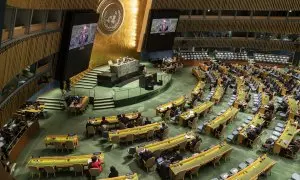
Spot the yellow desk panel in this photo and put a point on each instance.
(252, 171)
(177, 102)
(257, 119)
(113, 119)
(198, 109)
(286, 137)
(293, 107)
(60, 139)
(170, 142)
(218, 93)
(200, 159)
(198, 88)
(126, 177)
(222, 119)
(61, 161)
(135, 131)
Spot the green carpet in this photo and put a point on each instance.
(183, 82)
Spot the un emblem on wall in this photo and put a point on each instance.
(111, 16)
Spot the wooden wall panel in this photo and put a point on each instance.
(235, 42)
(17, 56)
(14, 103)
(239, 26)
(228, 4)
(54, 4)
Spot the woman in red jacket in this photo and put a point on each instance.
(96, 163)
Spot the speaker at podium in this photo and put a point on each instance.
(148, 81)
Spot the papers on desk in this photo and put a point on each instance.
(187, 136)
(89, 161)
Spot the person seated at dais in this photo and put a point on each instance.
(192, 143)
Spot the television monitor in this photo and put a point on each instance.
(163, 26)
(82, 35)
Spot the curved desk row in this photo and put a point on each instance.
(201, 159)
(199, 109)
(169, 143)
(125, 177)
(63, 161)
(224, 118)
(136, 131)
(256, 168)
(164, 107)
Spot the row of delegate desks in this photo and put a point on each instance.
(63, 161)
(241, 93)
(293, 107)
(136, 131)
(199, 109)
(257, 119)
(199, 74)
(125, 177)
(265, 99)
(198, 88)
(219, 92)
(52, 139)
(224, 118)
(255, 169)
(258, 83)
(112, 119)
(201, 159)
(164, 107)
(290, 131)
(169, 143)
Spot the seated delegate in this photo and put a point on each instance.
(95, 163)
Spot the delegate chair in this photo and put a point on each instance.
(130, 138)
(70, 146)
(94, 172)
(50, 170)
(180, 175)
(59, 146)
(194, 171)
(34, 171)
(78, 168)
(149, 163)
(91, 131)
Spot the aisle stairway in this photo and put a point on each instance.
(52, 103)
(104, 103)
(89, 80)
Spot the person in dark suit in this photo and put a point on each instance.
(147, 121)
(161, 131)
(145, 155)
(113, 172)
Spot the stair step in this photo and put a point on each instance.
(96, 71)
(54, 108)
(103, 104)
(103, 107)
(103, 100)
(83, 87)
(99, 99)
(54, 105)
(49, 98)
(90, 79)
(90, 76)
(87, 81)
(50, 101)
(86, 84)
